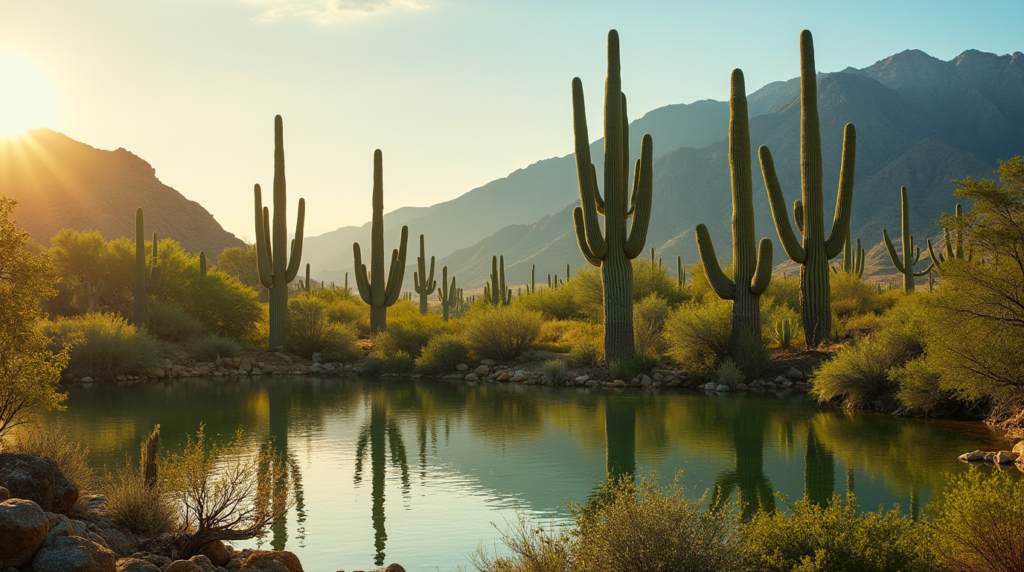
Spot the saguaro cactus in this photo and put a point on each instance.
(277, 265)
(911, 255)
(146, 280)
(951, 254)
(374, 289)
(202, 264)
(307, 286)
(533, 274)
(751, 278)
(613, 249)
(447, 295)
(680, 272)
(92, 294)
(495, 289)
(815, 251)
(424, 283)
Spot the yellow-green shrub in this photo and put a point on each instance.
(102, 345)
(310, 331)
(501, 333)
(698, 335)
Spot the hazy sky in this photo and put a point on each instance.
(455, 92)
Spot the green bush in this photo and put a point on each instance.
(785, 292)
(554, 303)
(837, 538)
(588, 290)
(133, 505)
(442, 354)
(852, 295)
(752, 357)
(398, 362)
(729, 374)
(501, 333)
(55, 442)
(171, 323)
(372, 366)
(103, 345)
(555, 371)
(310, 331)
(587, 352)
(649, 315)
(860, 373)
(698, 335)
(346, 309)
(628, 527)
(211, 346)
(627, 369)
(409, 333)
(977, 526)
(224, 305)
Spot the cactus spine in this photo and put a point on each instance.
(815, 250)
(495, 289)
(145, 281)
(202, 265)
(951, 254)
(751, 276)
(422, 282)
(446, 294)
(278, 265)
(373, 288)
(911, 255)
(612, 250)
(92, 294)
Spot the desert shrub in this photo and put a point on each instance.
(836, 538)
(347, 310)
(784, 291)
(698, 335)
(555, 371)
(310, 331)
(631, 527)
(139, 508)
(442, 353)
(647, 279)
(553, 303)
(728, 373)
(860, 325)
(628, 368)
(407, 332)
(919, 386)
(587, 352)
(225, 492)
(221, 303)
(852, 295)
(171, 323)
(212, 346)
(773, 313)
(103, 345)
(751, 356)
(501, 333)
(55, 442)
(649, 315)
(977, 526)
(398, 362)
(561, 335)
(859, 373)
(372, 366)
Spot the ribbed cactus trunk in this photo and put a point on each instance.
(375, 289)
(277, 265)
(815, 252)
(424, 283)
(752, 267)
(615, 248)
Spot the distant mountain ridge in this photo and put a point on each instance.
(61, 183)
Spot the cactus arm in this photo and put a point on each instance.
(642, 205)
(264, 255)
(720, 283)
(844, 202)
(636, 186)
(926, 270)
(597, 195)
(892, 252)
(917, 251)
(790, 243)
(397, 275)
(936, 260)
(587, 175)
(798, 215)
(296, 251)
(362, 279)
(763, 271)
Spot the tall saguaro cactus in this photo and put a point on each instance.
(146, 278)
(424, 283)
(814, 252)
(495, 289)
(447, 295)
(751, 278)
(613, 249)
(278, 265)
(951, 254)
(911, 255)
(374, 289)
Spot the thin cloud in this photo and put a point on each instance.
(330, 11)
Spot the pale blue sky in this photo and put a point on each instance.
(455, 92)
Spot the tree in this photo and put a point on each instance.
(240, 262)
(29, 371)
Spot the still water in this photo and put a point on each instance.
(425, 472)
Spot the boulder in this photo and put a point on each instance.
(61, 525)
(4, 494)
(722, 388)
(482, 370)
(973, 456)
(23, 528)
(794, 373)
(135, 565)
(73, 554)
(38, 480)
(646, 381)
(461, 367)
(1003, 457)
(260, 558)
(217, 553)
(1018, 448)
(503, 377)
(393, 568)
(472, 377)
(184, 566)
(489, 362)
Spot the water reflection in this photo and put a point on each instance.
(480, 454)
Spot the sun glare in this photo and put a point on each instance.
(28, 98)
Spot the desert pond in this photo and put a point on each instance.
(416, 471)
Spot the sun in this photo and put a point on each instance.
(28, 98)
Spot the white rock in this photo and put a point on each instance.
(722, 387)
(794, 373)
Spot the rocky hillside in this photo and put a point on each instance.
(61, 183)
